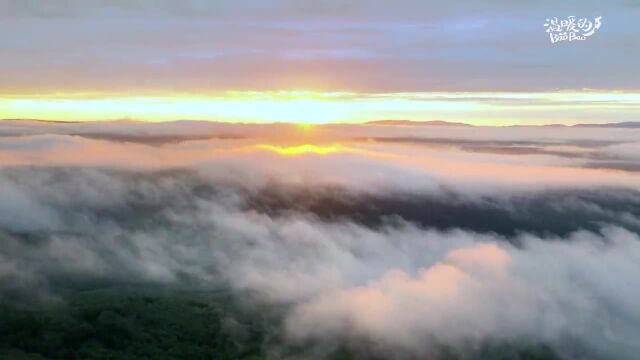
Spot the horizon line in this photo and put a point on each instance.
(381, 122)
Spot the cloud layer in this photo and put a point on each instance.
(395, 242)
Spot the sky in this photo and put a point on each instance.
(487, 62)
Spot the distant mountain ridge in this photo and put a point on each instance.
(416, 123)
(442, 123)
(625, 125)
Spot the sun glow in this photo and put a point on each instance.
(310, 107)
(303, 149)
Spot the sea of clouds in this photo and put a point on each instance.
(402, 238)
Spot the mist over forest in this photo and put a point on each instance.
(189, 240)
